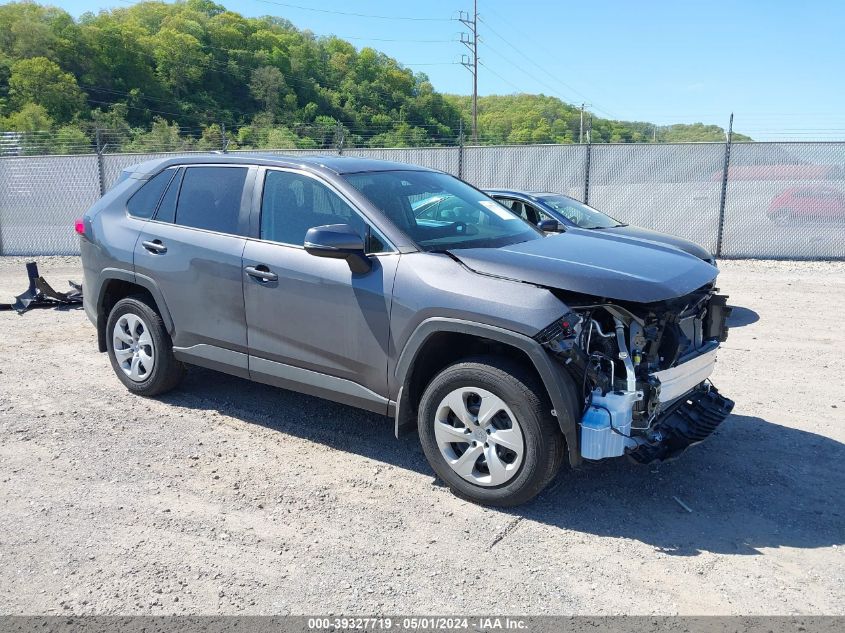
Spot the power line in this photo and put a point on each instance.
(507, 81)
(140, 95)
(532, 38)
(381, 39)
(527, 73)
(356, 15)
(538, 66)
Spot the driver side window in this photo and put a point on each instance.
(524, 210)
(292, 203)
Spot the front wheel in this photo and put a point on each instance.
(486, 428)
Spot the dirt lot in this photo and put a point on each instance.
(229, 497)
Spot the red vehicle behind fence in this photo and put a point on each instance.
(817, 202)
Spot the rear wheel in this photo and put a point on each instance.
(486, 427)
(140, 349)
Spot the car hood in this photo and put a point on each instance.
(595, 263)
(678, 242)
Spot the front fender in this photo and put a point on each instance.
(557, 382)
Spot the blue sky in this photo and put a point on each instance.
(779, 66)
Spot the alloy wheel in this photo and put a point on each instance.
(133, 347)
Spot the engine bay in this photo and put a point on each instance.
(642, 371)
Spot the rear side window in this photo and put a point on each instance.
(143, 204)
(210, 198)
(167, 206)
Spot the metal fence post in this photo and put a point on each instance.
(587, 170)
(461, 149)
(1, 216)
(721, 231)
(101, 171)
(224, 142)
(339, 139)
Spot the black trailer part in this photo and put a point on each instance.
(40, 294)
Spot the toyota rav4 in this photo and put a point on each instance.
(509, 351)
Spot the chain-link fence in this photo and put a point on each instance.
(39, 199)
(776, 200)
(785, 200)
(669, 188)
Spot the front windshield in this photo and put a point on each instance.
(440, 212)
(579, 213)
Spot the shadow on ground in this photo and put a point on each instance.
(740, 317)
(754, 484)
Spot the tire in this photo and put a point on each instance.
(482, 384)
(140, 349)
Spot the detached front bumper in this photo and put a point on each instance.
(688, 421)
(691, 409)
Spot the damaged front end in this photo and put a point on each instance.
(642, 370)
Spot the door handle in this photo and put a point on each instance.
(155, 246)
(261, 272)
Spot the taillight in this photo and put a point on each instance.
(79, 226)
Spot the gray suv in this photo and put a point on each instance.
(509, 351)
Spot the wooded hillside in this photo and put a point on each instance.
(156, 76)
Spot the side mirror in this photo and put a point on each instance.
(550, 226)
(338, 241)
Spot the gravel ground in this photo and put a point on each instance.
(230, 497)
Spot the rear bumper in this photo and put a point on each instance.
(90, 280)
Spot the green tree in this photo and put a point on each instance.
(30, 118)
(162, 137)
(69, 139)
(115, 132)
(180, 60)
(35, 126)
(281, 138)
(194, 63)
(267, 86)
(212, 138)
(39, 80)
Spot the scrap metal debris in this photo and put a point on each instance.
(40, 294)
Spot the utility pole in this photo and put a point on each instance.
(470, 40)
(581, 129)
